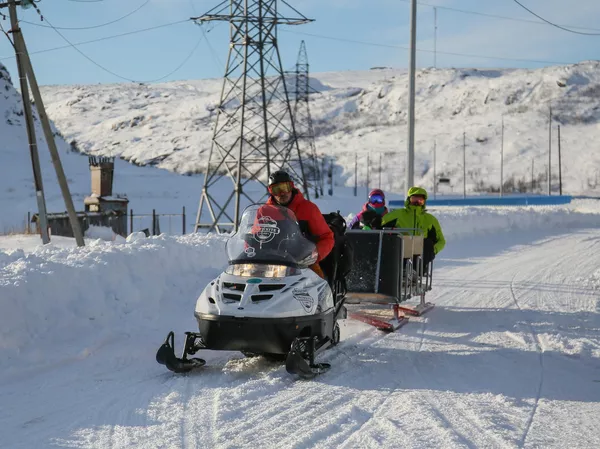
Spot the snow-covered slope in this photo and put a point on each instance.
(171, 124)
(146, 187)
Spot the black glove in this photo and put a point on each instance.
(371, 219)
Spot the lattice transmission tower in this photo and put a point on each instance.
(254, 132)
(304, 123)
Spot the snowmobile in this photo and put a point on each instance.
(267, 302)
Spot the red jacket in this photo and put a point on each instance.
(317, 226)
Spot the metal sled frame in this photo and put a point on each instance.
(411, 281)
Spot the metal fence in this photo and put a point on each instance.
(155, 223)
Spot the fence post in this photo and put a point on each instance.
(153, 221)
(183, 220)
(28, 222)
(131, 221)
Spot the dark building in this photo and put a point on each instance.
(101, 207)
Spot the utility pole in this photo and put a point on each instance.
(368, 169)
(26, 67)
(502, 160)
(330, 176)
(29, 124)
(434, 170)
(464, 165)
(379, 184)
(550, 150)
(322, 172)
(355, 174)
(434, 37)
(532, 186)
(410, 153)
(559, 164)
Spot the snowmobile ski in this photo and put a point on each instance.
(166, 354)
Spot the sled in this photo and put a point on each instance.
(387, 272)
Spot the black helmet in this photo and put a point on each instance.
(279, 176)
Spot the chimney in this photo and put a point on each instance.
(102, 169)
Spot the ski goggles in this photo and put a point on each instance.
(281, 188)
(376, 199)
(417, 200)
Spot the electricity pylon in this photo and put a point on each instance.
(303, 122)
(254, 132)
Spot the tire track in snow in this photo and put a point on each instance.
(302, 402)
(540, 351)
(463, 417)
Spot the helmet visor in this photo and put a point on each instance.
(281, 188)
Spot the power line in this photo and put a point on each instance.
(116, 74)
(89, 27)
(374, 44)
(495, 16)
(114, 36)
(552, 23)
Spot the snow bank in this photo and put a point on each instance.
(53, 297)
(464, 222)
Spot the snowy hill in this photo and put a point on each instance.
(146, 187)
(170, 125)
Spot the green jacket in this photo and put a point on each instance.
(416, 217)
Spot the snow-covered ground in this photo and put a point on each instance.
(510, 356)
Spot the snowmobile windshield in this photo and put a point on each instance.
(270, 234)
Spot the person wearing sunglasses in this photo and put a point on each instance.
(414, 216)
(282, 192)
(370, 216)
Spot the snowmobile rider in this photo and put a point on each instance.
(414, 215)
(283, 193)
(372, 212)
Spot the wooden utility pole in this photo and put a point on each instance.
(379, 184)
(559, 164)
(550, 150)
(368, 180)
(464, 165)
(532, 184)
(30, 126)
(355, 174)
(26, 73)
(434, 170)
(502, 160)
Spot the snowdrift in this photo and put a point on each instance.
(52, 297)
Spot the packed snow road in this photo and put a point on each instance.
(509, 358)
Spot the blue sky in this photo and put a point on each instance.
(154, 54)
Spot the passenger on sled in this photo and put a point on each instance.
(414, 216)
(372, 212)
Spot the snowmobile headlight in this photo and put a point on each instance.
(260, 270)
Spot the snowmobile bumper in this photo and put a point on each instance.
(261, 335)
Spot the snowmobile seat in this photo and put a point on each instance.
(338, 262)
